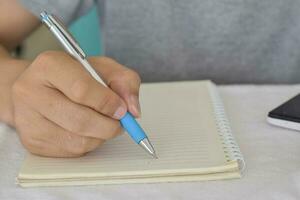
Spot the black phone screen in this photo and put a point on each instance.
(289, 110)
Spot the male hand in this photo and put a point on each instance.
(61, 111)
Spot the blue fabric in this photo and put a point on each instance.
(86, 31)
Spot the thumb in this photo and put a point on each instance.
(127, 87)
(122, 80)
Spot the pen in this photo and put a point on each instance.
(72, 47)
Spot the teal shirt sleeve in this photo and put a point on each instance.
(87, 32)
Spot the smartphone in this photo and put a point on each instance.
(286, 115)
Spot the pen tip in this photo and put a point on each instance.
(154, 155)
(145, 144)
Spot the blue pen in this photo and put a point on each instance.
(71, 46)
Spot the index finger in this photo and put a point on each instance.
(64, 73)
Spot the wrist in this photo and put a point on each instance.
(10, 70)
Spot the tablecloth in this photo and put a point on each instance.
(272, 156)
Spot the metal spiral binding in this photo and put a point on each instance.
(230, 146)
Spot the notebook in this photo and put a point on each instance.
(188, 127)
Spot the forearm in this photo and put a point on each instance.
(10, 69)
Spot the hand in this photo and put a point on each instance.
(61, 111)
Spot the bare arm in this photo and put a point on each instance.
(15, 25)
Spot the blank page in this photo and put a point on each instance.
(179, 120)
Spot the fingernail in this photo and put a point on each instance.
(135, 106)
(120, 112)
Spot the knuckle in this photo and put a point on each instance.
(45, 56)
(105, 59)
(123, 72)
(133, 75)
(80, 89)
(109, 103)
(128, 76)
(45, 61)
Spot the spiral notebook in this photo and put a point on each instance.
(188, 127)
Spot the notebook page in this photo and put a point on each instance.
(178, 118)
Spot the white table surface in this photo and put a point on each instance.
(272, 157)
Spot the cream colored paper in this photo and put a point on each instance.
(180, 121)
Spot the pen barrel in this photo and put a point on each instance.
(132, 127)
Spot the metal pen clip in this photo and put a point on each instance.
(62, 34)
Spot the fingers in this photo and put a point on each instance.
(73, 117)
(67, 75)
(65, 141)
(48, 139)
(76, 118)
(73, 112)
(122, 80)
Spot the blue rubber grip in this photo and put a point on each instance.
(133, 128)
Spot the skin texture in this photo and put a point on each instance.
(58, 109)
